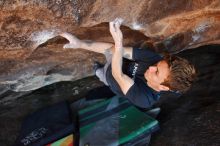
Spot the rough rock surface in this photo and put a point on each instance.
(25, 25)
(31, 56)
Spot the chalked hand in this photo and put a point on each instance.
(116, 32)
(74, 42)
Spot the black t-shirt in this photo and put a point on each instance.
(140, 94)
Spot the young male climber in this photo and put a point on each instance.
(142, 79)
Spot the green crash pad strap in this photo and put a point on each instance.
(99, 108)
(89, 113)
(104, 114)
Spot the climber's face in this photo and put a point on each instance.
(157, 74)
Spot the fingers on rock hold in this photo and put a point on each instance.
(66, 46)
(68, 36)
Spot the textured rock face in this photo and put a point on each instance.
(31, 56)
(29, 61)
